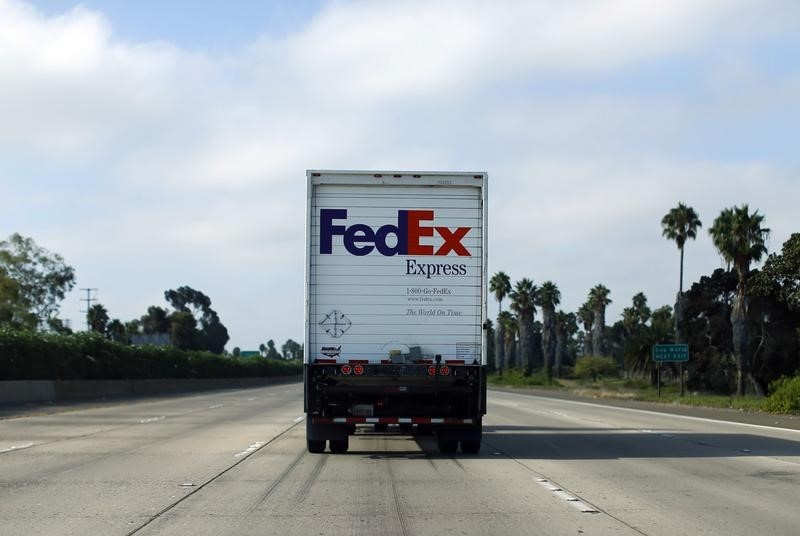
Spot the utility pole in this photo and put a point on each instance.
(88, 299)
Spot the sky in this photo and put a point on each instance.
(160, 144)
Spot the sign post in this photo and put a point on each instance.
(670, 353)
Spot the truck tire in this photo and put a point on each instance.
(316, 446)
(339, 446)
(448, 446)
(470, 447)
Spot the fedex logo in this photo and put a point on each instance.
(360, 239)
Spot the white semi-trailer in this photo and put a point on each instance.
(395, 306)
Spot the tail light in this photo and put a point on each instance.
(358, 370)
(444, 370)
(346, 370)
(431, 371)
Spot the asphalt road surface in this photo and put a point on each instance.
(235, 462)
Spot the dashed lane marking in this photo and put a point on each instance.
(12, 448)
(251, 449)
(151, 419)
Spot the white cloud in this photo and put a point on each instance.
(194, 164)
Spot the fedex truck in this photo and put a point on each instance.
(395, 331)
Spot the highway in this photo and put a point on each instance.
(234, 462)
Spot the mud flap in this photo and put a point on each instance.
(324, 432)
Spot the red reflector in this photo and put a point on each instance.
(431, 371)
(386, 361)
(454, 361)
(444, 370)
(346, 369)
(358, 361)
(358, 370)
(325, 361)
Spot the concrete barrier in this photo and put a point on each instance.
(14, 392)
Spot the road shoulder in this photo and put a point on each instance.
(789, 422)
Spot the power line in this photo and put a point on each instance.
(88, 299)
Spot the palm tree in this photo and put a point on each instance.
(97, 318)
(740, 240)
(586, 317)
(566, 327)
(547, 298)
(680, 224)
(598, 301)
(523, 303)
(507, 325)
(500, 285)
(637, 314)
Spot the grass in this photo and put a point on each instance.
(515, 378)
(631, 389)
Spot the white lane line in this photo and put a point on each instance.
(17, 447)
(151, 419)
(649, 412)
(585, 508)
(249, 450)
(560, 493)
(300, 418)
(215, 406)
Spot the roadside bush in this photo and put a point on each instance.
(594, 367)
(785, 397)
(26, 355)
(518, 378)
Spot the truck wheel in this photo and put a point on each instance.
(406, 428)
(448, 446)
(316, 445)
(338, 446)
(470, 447)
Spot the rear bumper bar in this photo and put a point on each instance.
(390, 420)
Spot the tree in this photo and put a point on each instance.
(97, 318)
(637, 314)
(15, 310)
(491, 348)
(523, 304)
(155, 321)
(212, 335)
(780, 275)
(56, 325)
(566, 327)
(598, 301)
(680, 224)
(236, 351)
(290, 350)
(507, 326)
(500, 286)
(547, 297)
(740, 239)
(262, 349)
(115, 330)
(183, 330)
(586, 316)
(43, 278)
(272, 353)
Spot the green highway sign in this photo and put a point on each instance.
(665, 353)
